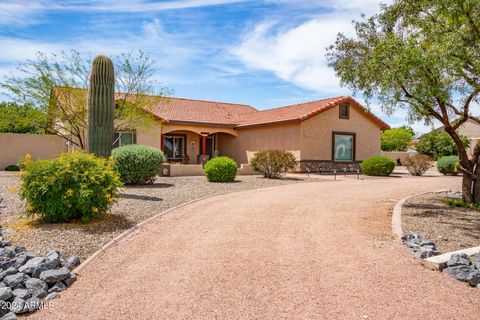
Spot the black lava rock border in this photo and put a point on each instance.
(459, 266)
(28, 280)
(421, 248)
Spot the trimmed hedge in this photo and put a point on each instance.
(138, 164)
(378, 166)
(273, 163)
(74, 186)
(448, 165)
(221, 169)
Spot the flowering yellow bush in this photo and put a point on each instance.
(74, 186)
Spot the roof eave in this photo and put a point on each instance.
(267, 123)
(200, 123)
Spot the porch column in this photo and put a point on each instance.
(161, 142)
(204, 145)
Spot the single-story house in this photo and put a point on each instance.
(335, 132)
(330, 133)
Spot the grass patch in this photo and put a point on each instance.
(459, 203)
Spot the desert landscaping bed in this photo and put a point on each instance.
(137, 203)
(451, 228)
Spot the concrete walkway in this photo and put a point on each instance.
(320, 250)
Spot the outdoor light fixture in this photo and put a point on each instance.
(193, 144)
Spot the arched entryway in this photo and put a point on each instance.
(190, 147)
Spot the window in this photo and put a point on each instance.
(123, 138)
(343, 146)
(344, 111)
(174, 146)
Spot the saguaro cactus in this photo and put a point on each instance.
(101, 104)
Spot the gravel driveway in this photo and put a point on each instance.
(305, 251)
(136, 205)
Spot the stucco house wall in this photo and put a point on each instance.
(253, 139)
(239, 130)
(309, 140)
(15, 146)
(316, 134)
(149, 136)
(471, 130)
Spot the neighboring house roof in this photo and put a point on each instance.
(233, 115)
(469, 129)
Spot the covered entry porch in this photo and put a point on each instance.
(192, 145)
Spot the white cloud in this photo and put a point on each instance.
(140, 6)
(297, 54)
(170, 51)
(18, 13)
(15, 49)
(151, 38)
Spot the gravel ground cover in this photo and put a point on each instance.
(137, 203)
(451, 228)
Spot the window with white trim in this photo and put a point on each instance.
(123, 138)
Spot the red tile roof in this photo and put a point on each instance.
(188, 110)
(300, 112)
(230, 114)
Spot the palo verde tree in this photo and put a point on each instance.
(56, 84)
(424, 56)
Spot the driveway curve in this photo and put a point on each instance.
(321, 250)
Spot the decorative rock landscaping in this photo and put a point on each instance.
(26, 279)
(460, 266)
(420, 247)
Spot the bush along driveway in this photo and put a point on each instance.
(309, 251)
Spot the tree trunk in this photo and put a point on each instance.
(476, 185)
(470, 170)
(467, 188)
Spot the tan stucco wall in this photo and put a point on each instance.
(193, 136)
(398, 156)
(251, 140)
(14, 146)
(470, 129)
(149, 136)
(316, 134)
(308, 140)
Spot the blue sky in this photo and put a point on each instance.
(266, 53)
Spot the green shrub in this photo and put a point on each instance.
(438, 144)
(221, 169)
(396, 139)
(138, 164)
(12, 167)
(448, 165)
(273, 163)
(74, 186)
(418, 164)
(378, 166)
